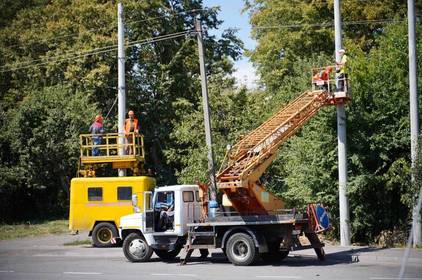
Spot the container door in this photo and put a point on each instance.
(148, 212)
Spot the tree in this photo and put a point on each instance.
(287, 30)
(72, 44)
(40, 151)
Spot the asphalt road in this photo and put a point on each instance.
(46, 258)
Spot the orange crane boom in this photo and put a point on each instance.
(250, 157)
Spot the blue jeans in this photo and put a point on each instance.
(96, 141)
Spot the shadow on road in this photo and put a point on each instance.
(294, 259)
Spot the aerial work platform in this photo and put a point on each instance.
(249, 158)
(125, 151)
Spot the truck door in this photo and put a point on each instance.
(188, 207)
(148, 212)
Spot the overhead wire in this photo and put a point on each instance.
(75, 35)
(328, 24)
(72, 55)
(80, 52)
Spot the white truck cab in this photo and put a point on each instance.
(162, 225)
(171, 219)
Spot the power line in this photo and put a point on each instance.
(91, 51)
(328, 24)
(111, 48)
(75, 35)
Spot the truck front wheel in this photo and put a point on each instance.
(102, 234)
(241, 249)
(136, 249)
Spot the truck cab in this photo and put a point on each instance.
(161, 226)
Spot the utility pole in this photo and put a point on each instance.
(414, 114)
(342, 147)
(207, 122)
(121, 81)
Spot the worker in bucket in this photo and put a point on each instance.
(341, 70)
(131, 128)
(322, 78)
(96, 129)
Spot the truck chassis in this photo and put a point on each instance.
(244, 239)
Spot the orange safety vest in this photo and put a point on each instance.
(127, 125)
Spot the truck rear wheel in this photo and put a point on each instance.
(136, 249)
(166, 255)
(241, 249)
(102, 234)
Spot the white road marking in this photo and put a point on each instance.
(279, 276)
(173, 274)
(82, 273)
(6, 271)
(393, 278)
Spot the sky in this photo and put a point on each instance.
(231, 14)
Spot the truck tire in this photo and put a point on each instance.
(241, 249)
(166, 255)
(102, 234)
(136, 249)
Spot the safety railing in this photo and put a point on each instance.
(324, 78)
(110, 147)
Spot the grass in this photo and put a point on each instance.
(33, 229)
(78, 242)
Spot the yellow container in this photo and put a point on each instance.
(96, 204)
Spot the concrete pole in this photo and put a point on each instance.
(121, 80)
(414, 114)
(207, 122)
(342, 148)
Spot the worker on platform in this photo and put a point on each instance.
(322, 78)
(341, 70)
(96, 129)
(131, 128)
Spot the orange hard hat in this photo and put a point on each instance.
(99, 118)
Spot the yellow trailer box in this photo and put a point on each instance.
(96, 204)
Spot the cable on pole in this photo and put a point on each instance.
(91, 52)
(76, 35)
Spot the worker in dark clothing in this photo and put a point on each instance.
(96, 129)
(131, 126)
(166, 216)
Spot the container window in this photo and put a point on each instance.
(187, 196)
(198, 199)
(95, 194)
(124, 193)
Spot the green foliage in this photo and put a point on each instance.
(13, 231)
(232, 114)
(379, 188)
(288, 30)
(40, 150)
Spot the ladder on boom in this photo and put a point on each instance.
(248, 159)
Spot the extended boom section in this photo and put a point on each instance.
(252, 155)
